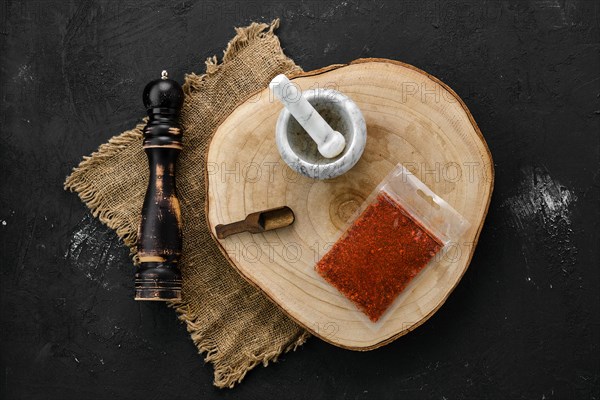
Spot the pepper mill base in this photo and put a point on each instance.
(160, 283)
(157, 294)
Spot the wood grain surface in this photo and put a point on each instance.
(412, 118)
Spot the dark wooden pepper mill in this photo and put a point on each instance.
(159, 236)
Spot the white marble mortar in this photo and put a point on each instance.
(300, 152)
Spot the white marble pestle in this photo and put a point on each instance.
(329, 142)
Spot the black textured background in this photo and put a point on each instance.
(524, 321)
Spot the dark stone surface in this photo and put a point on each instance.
(524, 321)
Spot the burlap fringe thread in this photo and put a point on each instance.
(88, 194)
(225, 376)
(241, 39)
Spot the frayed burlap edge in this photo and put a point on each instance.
(224, 376)
(242, 38)
(92, 198)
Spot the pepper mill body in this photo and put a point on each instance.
(159, 236)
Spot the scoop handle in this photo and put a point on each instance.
(233, 228)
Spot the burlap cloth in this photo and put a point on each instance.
(230, 321)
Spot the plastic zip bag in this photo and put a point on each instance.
(401, 229)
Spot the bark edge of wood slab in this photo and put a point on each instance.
(159, 236)
(412, 118)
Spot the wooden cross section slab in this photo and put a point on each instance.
(412, 118)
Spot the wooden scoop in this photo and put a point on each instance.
(258, 222)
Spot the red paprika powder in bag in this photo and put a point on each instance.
(396, 234)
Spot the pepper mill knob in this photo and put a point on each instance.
(163, 94)
(159, 235)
